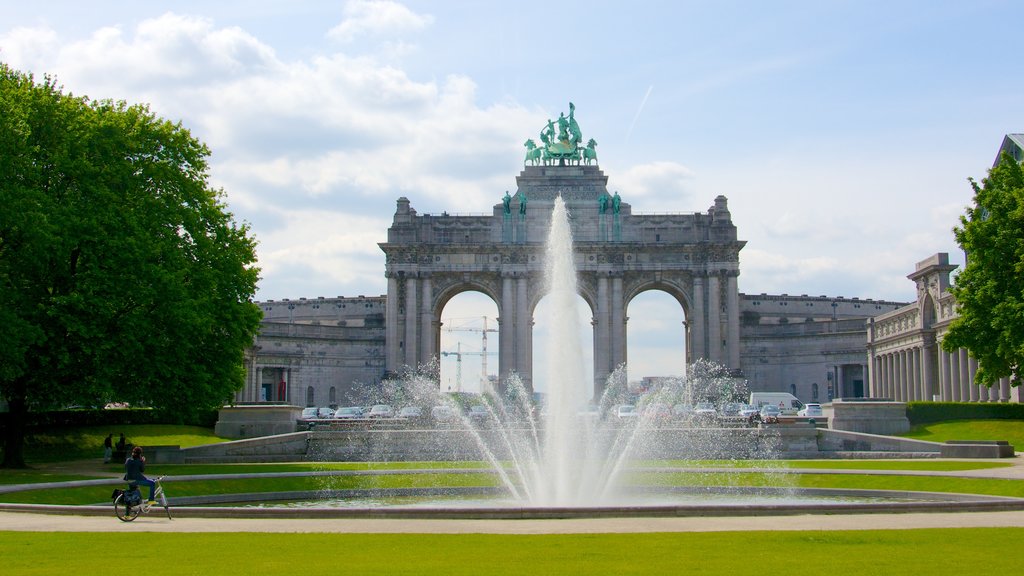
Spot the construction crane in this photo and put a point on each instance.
(458, 364)
(483, 350)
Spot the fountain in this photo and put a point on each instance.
(566, 453)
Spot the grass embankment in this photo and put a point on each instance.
(77, 443)
(1009, 430)
(890, 552)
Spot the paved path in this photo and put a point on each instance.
(55, 523)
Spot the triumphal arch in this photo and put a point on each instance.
(431, 258)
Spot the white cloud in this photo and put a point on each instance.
(667, 185)
(377, 18)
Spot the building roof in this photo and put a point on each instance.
(1013, 144)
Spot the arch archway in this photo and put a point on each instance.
(656, 335)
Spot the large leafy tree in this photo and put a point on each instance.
(122, 275)
(989, 290)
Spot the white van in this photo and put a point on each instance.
(786, 402)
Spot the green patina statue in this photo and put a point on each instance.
(602, 203)
(507, 203)
(615, 203)
(563, 144)
(522, 203)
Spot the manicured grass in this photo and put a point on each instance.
(75, 443)
(1009, 430)
(95, 494)
(936, 552)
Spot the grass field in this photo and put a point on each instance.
(1010, 430)
(935, 552)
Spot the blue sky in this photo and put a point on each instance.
(843, 133)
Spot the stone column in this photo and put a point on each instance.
(411, 340)
(618, 323)
(972, 368)
(733, 322)
(946, 391)
(965, 377)
(929, 367)
(259, 384)
(602, 336)
(392, 334)
(697, 324)
(428, 327)
(506, 329)
(954, 376)
(524, 325)
(714, 313)
(1004, 389)
(916, 382)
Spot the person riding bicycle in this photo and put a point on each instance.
(134, 467)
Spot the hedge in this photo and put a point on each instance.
(930, 412)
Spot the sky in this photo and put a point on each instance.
(842, 133)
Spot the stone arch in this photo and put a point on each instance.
(678, 290)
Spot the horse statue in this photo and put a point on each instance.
(533, 153)
(590, 152)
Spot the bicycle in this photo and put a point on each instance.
(128, 504)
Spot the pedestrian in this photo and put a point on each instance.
(108, 448)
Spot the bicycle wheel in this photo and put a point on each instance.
(125, 512)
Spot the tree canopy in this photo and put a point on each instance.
(989, 290)
(123, 277)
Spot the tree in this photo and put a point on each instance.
(122, 275)
(989, 290)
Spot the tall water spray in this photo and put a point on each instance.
(565, 384)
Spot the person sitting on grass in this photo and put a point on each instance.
(133, 472)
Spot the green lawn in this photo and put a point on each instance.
(76, 443)
(1009, 430)
(936, 552)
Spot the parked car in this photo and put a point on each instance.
(657, 412)
(325, 412)
(731, 409)
(478, 413)
(309, 413)
(626, 411)
(770, 413)
(748, 410)
(704, 411)
(381, 411)
(682, 411)
(349, 413)
(443, 414)
(811, 409)
(410, 413)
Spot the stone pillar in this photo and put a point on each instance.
(947, 392)
(506, 329)
(916, 381)
(733, 322)
(929, 367)
(1004, 389)
(972, 368)
(965, 376)
(618, 323)
(698, 346)
(954, 376)
(259, 384)
(714, 314)
(392, 335)
(602, 336)
(428, 326)
(411, 340)
(524, 325)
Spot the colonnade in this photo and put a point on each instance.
(925, 373)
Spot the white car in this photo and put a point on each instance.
(812, 410)
(309, 413)
(381, 411)
(349, 413)
(626, 411)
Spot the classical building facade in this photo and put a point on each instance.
(809, 346)
(905, 357)
(619, 254)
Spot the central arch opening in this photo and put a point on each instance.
(655, 337)
(469, 344)
(547, 350)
